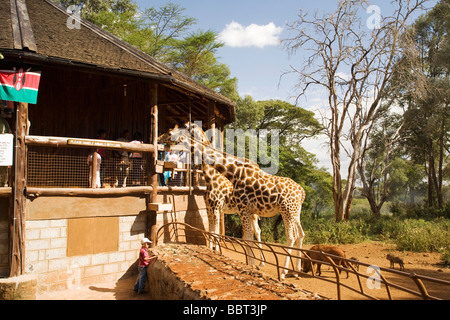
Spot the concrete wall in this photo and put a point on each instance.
(48, 237)
(46, 255)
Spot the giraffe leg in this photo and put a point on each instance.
(216, 226)
(209, 211)
(213, 221)
(257, 232)
(301, 236)
(290, 242)
(294, 235)
(247, 234)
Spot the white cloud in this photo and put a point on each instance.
(237, 35)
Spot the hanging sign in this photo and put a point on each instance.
(94, 143)
(6, 149)
(19, 83)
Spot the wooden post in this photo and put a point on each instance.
(221, 128)
(212, 126)
(152, 175)
(212, 122)
(93, 168)
(17, 221)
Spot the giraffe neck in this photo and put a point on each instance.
(223, 162)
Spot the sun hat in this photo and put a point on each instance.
(145, 240)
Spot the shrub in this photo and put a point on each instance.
(421, 235)
(325, 230)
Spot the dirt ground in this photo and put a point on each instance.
(374, 253)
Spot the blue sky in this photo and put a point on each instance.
(258, 69)
(251, 30)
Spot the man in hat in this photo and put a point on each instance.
(144, 261)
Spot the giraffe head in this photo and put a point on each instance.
(184, 135)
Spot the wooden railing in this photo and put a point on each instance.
(274, 255)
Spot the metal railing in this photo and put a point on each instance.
(274, 255)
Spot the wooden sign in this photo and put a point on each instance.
(94, 143)
(6, 149)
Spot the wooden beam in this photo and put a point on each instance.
(93, 169)
(152, 175)
(34, 192)
(17, 221)
(46, 141)
(5, 191)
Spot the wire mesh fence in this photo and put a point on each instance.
(71, 168)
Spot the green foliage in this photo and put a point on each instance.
(320, 231)
(163, 33)
(415, 228)
(413, 211)
(422, 236)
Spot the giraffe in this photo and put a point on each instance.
(255, 191)
(218, 196)
(219, 200)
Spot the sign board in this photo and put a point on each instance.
(6, 149)
(94, 143)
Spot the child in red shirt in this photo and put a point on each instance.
(144, 261)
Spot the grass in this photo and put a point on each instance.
(412, 228)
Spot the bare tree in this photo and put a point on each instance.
(378, 154)
(353, 60)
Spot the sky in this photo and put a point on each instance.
(251, 31)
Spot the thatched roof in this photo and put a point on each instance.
(36, 31)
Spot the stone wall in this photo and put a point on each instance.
(18, 288)
(189, 272)
(62, 259)
(46, 255)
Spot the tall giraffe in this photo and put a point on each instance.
(255, 191)
(219, 200)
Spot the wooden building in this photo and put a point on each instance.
(52, 223)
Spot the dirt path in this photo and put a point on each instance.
(374, 253)
(371, 252)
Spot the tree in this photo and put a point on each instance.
(163, 34)
(378, 154)
(423, 89)
(167, 25)
(195, 56)
(353, 64)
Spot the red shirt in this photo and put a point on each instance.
(143, 254)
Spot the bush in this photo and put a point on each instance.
(325, 230)
(420, 235)
(415, 211)
(446, 258)
(410, 227)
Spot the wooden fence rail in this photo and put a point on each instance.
(258, 251)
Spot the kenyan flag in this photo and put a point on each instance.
(19, 84)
